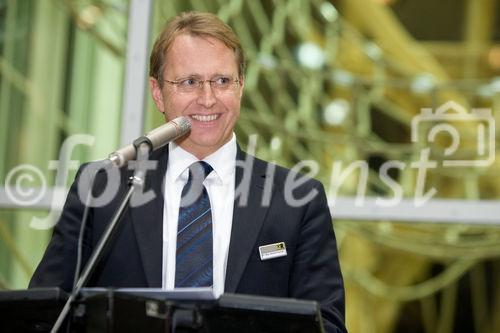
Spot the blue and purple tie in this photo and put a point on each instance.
(194, 259)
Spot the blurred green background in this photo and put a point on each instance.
(329, 81)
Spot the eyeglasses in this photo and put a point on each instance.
(193, 85)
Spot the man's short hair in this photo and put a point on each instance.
(194, 24)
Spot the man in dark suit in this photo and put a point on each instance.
(252, 227)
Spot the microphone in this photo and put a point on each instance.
(157, 138)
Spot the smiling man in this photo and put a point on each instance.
(200, 79)
(273, 247)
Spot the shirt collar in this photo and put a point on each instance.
(223, 161)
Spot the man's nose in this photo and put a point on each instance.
(206, 95)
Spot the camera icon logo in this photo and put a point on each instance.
(472, 134)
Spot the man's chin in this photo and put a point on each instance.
(200, 145)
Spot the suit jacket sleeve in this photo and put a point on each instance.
(57, 266)
(316, 271)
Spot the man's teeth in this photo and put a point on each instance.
(204, 117)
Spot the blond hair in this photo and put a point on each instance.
(195, 24)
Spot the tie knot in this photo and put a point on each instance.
(199, 170)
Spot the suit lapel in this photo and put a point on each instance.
(147, 221)
(247, 218)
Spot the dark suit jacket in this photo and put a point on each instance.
(310, 270)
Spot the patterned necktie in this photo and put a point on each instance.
(193, 264)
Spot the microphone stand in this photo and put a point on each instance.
(143, 146)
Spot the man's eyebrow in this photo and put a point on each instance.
(200, 77)
(185, 76)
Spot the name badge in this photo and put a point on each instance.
(272, 251)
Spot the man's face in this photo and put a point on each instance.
(212, 113)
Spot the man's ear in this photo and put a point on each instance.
(157, 94)
(242, 85)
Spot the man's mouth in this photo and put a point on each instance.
(208, 117)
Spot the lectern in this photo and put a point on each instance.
(153, 310)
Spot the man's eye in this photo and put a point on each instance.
(188, 82)
(222, 81)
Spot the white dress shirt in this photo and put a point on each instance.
(220, 187)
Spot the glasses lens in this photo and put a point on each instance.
(188, 85)
(222, 83)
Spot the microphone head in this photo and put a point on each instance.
(183, 123)
(157, 138)
(170, 131)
